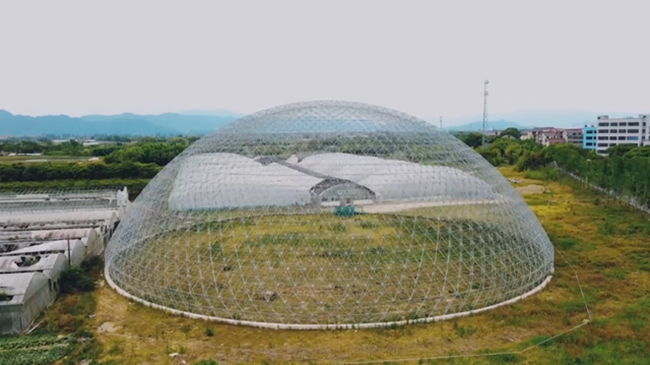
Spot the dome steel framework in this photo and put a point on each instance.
(328, 215)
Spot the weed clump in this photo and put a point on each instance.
(206, 362)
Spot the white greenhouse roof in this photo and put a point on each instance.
(21, 202)
(18, 285)
(395, 179)
(219, 180)
(52, 246)
(43, 235)
(9, 264)
(63, 216)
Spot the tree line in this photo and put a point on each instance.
(126, 164)
(625, 172)
(19, 172)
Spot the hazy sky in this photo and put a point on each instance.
(426, 58)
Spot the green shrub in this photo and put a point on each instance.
(3, 296)
(209, 332)
(75, 279)
(545, 173)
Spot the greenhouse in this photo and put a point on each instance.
(41, 234)
(328, 215)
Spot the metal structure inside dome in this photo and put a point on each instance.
(328, 215)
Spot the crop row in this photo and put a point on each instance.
(25, 342)
(34, 356)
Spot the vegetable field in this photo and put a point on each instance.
(33, 350)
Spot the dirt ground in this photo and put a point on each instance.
(531, 189)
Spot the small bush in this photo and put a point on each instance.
(464, 331)
(186, 330)
(116, 349)
(338, 227)
(617, 274)
(92, 264)
(209, 332)
(368, 224)
(3, 296)
(206, 362)
(545, 173)
(75, 279)
(505, 359)
(606, 229)
(215, 248)
(566, 243)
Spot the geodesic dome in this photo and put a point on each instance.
(328, 215)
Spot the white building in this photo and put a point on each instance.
(614, 131)
(94, 142)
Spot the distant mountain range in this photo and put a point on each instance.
(214, 113)
(199, 122)
(122, 124)
(478, 126)
(529, 119)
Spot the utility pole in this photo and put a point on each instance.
(485, 115)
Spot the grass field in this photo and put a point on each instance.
(327, 269)
(606, 244)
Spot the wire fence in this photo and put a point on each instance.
(621, 198)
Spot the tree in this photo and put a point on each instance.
(620, 150)
(533, 160)
(472, 139)
(513, 132)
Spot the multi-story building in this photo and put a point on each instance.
(527, 134)
(573, 136)
(615, 131)
(589, 137)
(549, 136)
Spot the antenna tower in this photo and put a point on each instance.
(485, 115)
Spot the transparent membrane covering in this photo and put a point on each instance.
(318, 214)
